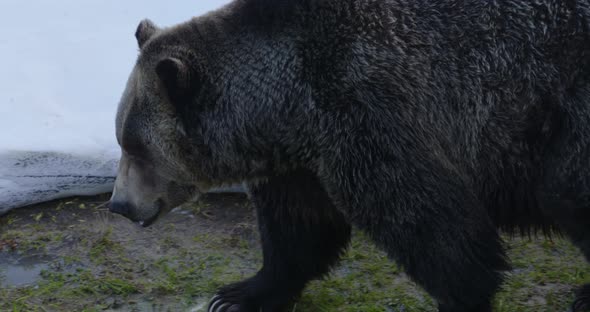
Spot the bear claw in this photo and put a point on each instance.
(582, 301)
(218, 304)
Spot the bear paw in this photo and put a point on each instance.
(250, 295)
(222, 304)
(238, 297)
(582, 301)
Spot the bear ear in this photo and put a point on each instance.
(174, 75)
(145, 31)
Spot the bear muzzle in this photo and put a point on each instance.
(128, 211)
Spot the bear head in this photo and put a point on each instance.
(204, 106)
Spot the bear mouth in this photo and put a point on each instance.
(158, 205)
(150, 221)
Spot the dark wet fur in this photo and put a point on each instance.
(426, 124)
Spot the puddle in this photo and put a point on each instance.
(21, 270)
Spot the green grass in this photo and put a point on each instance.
(177, 267)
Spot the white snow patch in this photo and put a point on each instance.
(64, 66)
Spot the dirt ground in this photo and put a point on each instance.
(73, 255)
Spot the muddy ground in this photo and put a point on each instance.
(72, 255)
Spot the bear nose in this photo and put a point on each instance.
(119, 208)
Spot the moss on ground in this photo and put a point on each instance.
(102, 262)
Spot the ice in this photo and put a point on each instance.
(64, 66)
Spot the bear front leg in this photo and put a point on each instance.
(303, 236)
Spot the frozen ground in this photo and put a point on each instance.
(64, 66)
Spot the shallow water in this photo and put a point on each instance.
(20, 270)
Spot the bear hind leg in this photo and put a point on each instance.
(564, 191)
(435, 228)
(573, 219)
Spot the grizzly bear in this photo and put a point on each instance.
(430, 125)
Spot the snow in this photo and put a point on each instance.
(64, 65)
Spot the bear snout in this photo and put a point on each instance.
(121, 208)
(130, 212)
